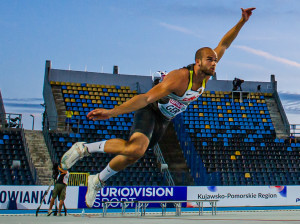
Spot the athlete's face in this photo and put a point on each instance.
(208, 62)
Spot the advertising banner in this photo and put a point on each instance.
(132, 194)
(230, 196)
(30, 197)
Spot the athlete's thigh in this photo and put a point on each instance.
(143, 122)
(160, 127)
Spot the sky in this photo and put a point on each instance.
(141, 37)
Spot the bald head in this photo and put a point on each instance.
(203, 51)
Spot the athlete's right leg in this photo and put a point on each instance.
(117, 146)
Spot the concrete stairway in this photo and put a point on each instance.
(60, 107)
(174, 157)
(276, 118)
(39, 155)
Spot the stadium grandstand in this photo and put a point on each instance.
(226, 138)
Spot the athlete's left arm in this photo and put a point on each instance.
(232, 34)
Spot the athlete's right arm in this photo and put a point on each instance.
(167, 86)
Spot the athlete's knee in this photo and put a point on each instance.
(135, 151)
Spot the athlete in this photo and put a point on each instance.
(153, 112)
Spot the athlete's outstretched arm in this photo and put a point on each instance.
(232, 34)
(162, 89)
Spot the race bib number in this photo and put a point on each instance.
(172, 108)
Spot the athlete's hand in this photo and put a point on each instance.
(99, 114)
(246, 13)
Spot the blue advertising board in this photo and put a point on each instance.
(118, 194)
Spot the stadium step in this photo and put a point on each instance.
(174, 157)
(60, 107)
(276, 118)
(39, 155)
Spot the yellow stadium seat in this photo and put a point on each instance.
(119, 102)
(79, 88)
(94, 101)
(84, 105)
(97, 97)
(107, 86)
(69, 87)
(237, 153)
(220, 115)
(207, 126)
(114, 90)
(78, 84)
(219, 107)
(67, 99)
(81, 96)
(99, 89)
(73, 100)
(227, 104)
(95, 89)
(203, 94)
(106, 94)
(204, 103)
(84, 88)
(264, 120)
(89, 89)
(65, 91)
(68, 83)
(88, 85)
(232, 157)
(63, 83)
(93, 97)
(109, 90)
(134, 91)
(247, 175)
(229, 111)
(99, 101)
(131, 95)
(127, 87)
(230, 119)
(70, 91)
(57, 83)
(122, 87)
(242, 108)
(76, 113)
(75, 92)
(195, 106)
(262, 112)
(244, 115)
(121, 95)
(94, 85)
(201, 115)
(112, 87)
(87, 97)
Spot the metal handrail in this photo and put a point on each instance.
(161, 160)
(48, 140)
(28, 155)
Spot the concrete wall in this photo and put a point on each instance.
(133, 81)
(145, 82)
(48, 96)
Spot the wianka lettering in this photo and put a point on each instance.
(137, 192)
(33, 197)
(236, 196)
